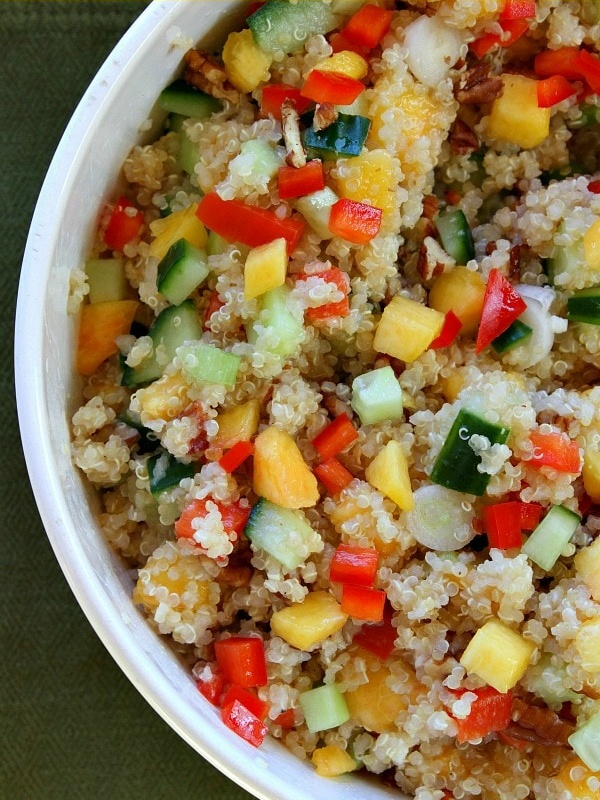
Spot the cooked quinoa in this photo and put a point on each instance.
(466, 663)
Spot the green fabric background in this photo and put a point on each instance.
(72, 727)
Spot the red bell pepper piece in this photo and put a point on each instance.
(212, 688)
(273, 96)
(354, 565)
(124, 224)
(501, 306)
(363, 603)
(243, 722)
(339, 42)
(339, 309)
(368, 26)
(335, 437)
(518, 9)
(491, 712)
(242, 660)
(333, 475)
(331, 87)
(236, 221)
(450, 330)
(286, 719)
(299, 181)
(249, 700)
(554, 450)
(252, 7)
(214, 304)
(502, 524)
(553, 90)
(355, 222)
(512, 29)
(531, 513)
(236, 456)
(234, 517)
(564, 61)
(594, 186)
(378, 639)
(590, 69)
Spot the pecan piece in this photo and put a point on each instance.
(290, 124)
(325, 115)
(205, 73)
(538, 724)
(477, 86)
(463, 139)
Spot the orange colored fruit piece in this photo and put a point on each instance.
(100, 325)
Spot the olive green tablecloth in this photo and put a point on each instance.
(71, 725)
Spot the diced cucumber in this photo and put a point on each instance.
(547, 681)
(517, 333)
(181, 98)
(106, 279)
(566, 261)
(188, 154)
(589, 115)
(280, 27)
(275, 315)
(165, 471)
(346, 7)
(148, 441)
(456, 236)
(548, 540)
(256, 159)
(456, 466)
(173, 327)
(280, 532)
(360, 107)
(181, 271)
(584, 306)
(216, 245)
(316, 209)
(377, 396)
(586, 742)
(324, 707)
(205, 363)
(345, 137)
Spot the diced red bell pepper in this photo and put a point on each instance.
(363, 603)
(124, 224)
(531, 513)
(299, 181)
(355, 222)
(554, 450)
(244, 696)
(242, 660)
(590, 70)
(368, 26)
(378, 639)
(214, 304)
(594, 186)
(491, 712)
(236, 456)
(453, 197)
(450, 330)
(236, 221)
(518, 9)
(331, 87)
(234, 517)
(553, 90)
(335, 437)
(252, 7)
(339, 309)
(339, 42)
(501, 306)
(274, 95)
(354, 565)
(243, 722)
(212, 688)
(333, 475)
(286, 719)
(502, 524)
(564, 61)
(512, 30)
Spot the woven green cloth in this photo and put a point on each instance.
(72, 727)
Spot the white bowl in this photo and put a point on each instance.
(81, 177)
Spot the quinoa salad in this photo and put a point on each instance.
(339, 346)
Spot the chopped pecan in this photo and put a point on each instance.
(490, 248)
(477, 86)
(431, 206)
(538, 724)
(205, 73)
(433, 259)
(515, 262)
(325, 115)
(236, 575)
(290, 124)
(463, 139)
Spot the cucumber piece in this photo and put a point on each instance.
(205, 363)
(586, 742)
(173, 327)
(280, 27)
(275, 315)
(181, 271)
(456, 236)
(188, 154)
(181, 98)
(346, 7)
(345, 137)
(517, 333)
(256, 159)
(148, 442)
(548, 682)
(360, 107)
(377, 396)
(106, 279)
(316, 209)
(566, 261)
(584, 306)
(324, 707)
(216, 245)
(280, 532)
(548, 540)
(165, 471)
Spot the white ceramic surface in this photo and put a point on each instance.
(81, 177)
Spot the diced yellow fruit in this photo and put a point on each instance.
(452, 385)
(177, 574)
(575, 776)
(265, 268)
(182, 224)
(305, 624)
(516, 117)
(331, 761)
(374, 705)
(345, 63)
(237, 424)
(388, 472)
(591, 245)
(587, 643)
(462, 291)
(369, 178)
(587, 564)
(245, 63)
(280, 473)
(591, 474)
(406, 329)
(498, 655)
(166, 398)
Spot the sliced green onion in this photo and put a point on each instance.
(548, 540)
(440, 520)
(204, 363)
(324, 708)
(377, 396)
(586, 742)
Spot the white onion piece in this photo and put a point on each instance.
(433, 48)
(542, 323)
(441, 519)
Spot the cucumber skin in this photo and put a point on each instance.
(584, 306)
(174, 472)
(456, 236)
(268, 527)
(181, 98)
(544, 546)
(345, 137)
(282, 27)
(181, 271)
(513, 336)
